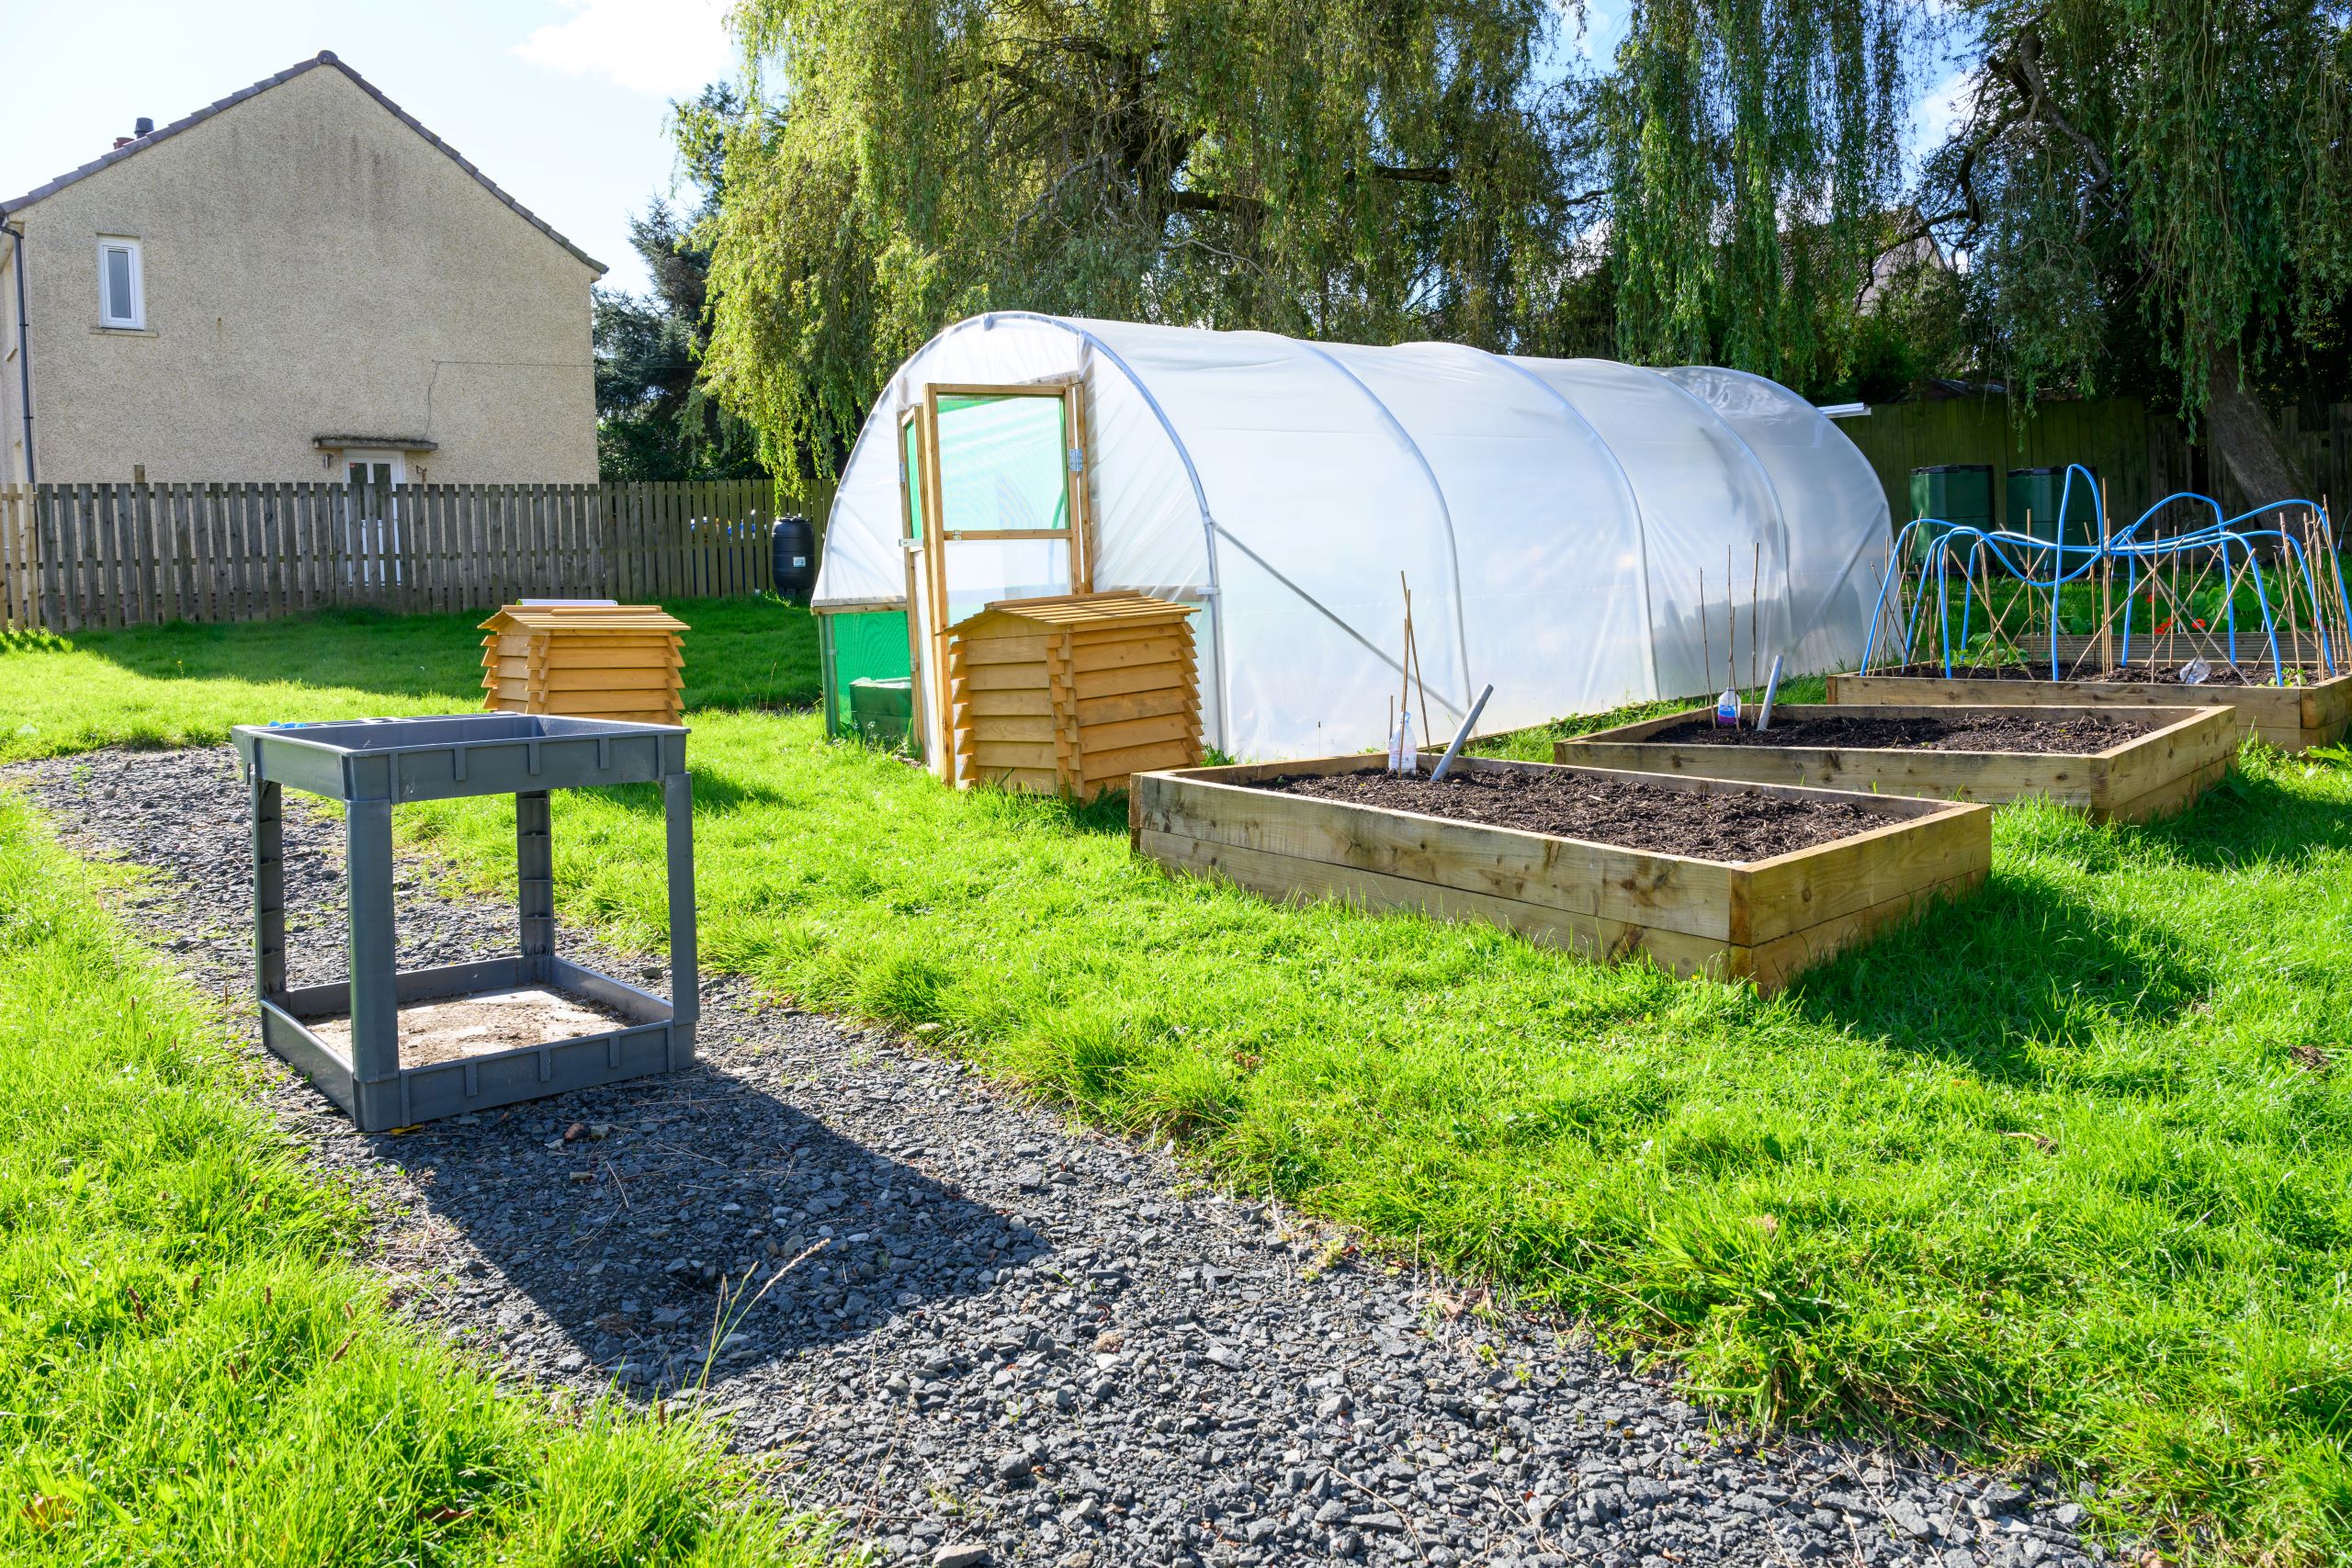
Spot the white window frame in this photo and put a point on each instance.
(137, 320)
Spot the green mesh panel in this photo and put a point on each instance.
(863, 643)
(911, 456)
(1003, 464)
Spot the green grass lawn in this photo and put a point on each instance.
(192, 1370)
(2064, 1173)
(186, 685)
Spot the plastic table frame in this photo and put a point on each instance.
(372, 765)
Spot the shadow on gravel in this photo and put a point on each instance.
(657, 1235)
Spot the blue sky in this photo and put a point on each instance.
(563, 102)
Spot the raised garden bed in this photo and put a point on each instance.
(2125, 766)
(1776, 879)
(2316, 711)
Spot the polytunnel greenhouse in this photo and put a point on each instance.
(1579, 533)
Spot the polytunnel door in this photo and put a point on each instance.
(996, 508)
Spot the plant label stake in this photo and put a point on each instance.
(1771, 686)
(1462, 735)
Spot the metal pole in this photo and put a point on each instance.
(1462, 735)
(686, 997)
(535, 886)
(269, 890)
(24, 355)
(375, 987)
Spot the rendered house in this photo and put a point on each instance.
(298, 282)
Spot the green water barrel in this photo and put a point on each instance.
(882, 712)
(2038, 491)
(1959, 494)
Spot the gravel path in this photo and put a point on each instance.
(1017, 1340)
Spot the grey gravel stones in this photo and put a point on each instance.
(979, 1335)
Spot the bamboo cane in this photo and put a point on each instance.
(1706, 645)
(2294, 621)
(2105, 585)
(1755, 579)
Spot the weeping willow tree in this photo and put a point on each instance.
(1358, 169)
(1755, 156)
(2158, 192)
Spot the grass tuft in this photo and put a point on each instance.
(192, 1372)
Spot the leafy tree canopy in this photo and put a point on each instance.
(2148, 193)
(2157, 195)
(654, 418)
(1360, 169)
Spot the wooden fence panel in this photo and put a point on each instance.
(83, 555)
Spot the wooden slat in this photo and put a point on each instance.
(284, 598)
(1294, 879)
(237, 497)
(1114, 764)
(108, 607)
(570, 653)
(562, 680)
(141, 500)
(1148, 731)
(57, 611)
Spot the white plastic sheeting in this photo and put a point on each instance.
(1580, 533)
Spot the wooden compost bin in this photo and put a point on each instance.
(587, 661)
(1071, 695)
(1760, 920)
(2151, 776)
(2289, 717)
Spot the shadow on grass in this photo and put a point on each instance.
(651, 1247)
(758, 654)
(1993, 981)
(2252, 817)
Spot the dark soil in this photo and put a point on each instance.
(1973, 729)
(2123, 674)
(1726, 826)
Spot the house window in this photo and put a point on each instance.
(122, 296)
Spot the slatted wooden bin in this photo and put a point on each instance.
(1069, 695)
(587, 661)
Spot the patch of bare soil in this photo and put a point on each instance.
(1974, 729)
(1725, 825)
(480, 1025)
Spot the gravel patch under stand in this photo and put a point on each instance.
(1018, 1341)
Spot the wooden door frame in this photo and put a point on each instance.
(930, 581)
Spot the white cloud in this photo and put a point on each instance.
(667, 48)
(1941, 112)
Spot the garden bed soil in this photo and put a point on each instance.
(1602, 809)
(1795, 877)
(2145, 762)
(1981, 729)
(2294, 718)
(2166, 674)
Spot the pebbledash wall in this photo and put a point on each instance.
(315, 264)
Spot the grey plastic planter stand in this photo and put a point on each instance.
(372, 765)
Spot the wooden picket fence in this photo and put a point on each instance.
(116, 554)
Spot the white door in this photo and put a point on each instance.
(372, 542)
